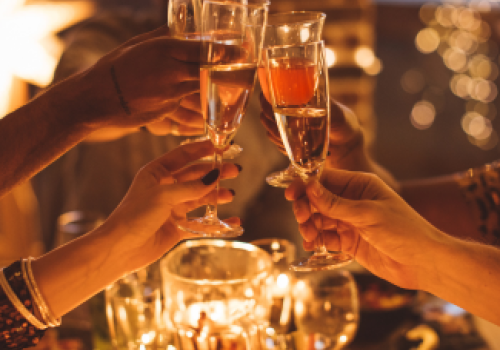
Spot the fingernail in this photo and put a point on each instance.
(317, 189)
(210, 177)
(240, 168)
(232, 192)
(329, 154)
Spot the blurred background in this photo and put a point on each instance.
(421, 75)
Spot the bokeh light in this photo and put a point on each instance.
(427, 40)
(375, 68)
(455, 59)
(331, 57)
(458, 33)
(423, 115)
(364, 56)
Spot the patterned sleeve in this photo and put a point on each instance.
(481, 189)
(15, 331)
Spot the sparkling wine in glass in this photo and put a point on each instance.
(288, 28)
(232, 37)
(298, 85)
(184, 22)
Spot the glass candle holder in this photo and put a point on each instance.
(326, 309)
(217, 294)
(135, 312)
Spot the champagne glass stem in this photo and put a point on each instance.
(319, 242)
(212, 207)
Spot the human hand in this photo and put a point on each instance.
(161, 194)
(146, 79)
(187, 120)
(364, 217)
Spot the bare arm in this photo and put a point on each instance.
(39, 132)
(466, 205)
(134, 85)
(365, 218)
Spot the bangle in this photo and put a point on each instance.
(47, 316)
(17, 303)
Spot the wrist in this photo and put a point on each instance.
(442, 251)
(95, 98)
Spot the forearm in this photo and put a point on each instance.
(467, 275)
(440, 201)
(71, 274)
(41, 131)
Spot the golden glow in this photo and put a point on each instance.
(343, 339)
(304, 34)
(249, 292)
(422, 115)
(375, 68)
(282, 281)
(427, 13)
(480, 67)
(364, 56)
(459, 85)
(331, 57)
(30, 49)
(455, 59)
(456, 31)
(446, 15)
(427, 40)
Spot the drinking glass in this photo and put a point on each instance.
(326, 309)
(288, 28)
(282, 253)
(298, 85)
(216, 293)
(227, 82)
(134, 313)
(184, 22)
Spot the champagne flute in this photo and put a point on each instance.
(226, 84)
(184, 22)
(298, 86)
(288, 28)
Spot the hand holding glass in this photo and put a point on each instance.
(298, 86)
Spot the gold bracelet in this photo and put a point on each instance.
(18, 304)
(52, 321)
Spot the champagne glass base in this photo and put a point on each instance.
(282, 179)
(210, 227)
(322, 262)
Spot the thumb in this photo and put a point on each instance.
(333, 206)
(193, 190)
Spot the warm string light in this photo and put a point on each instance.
(456, 31)
(30, 47)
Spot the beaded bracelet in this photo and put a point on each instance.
(16, 331)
